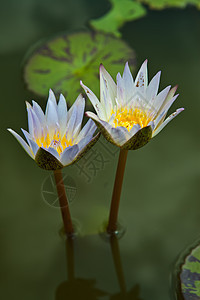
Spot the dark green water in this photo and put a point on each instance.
(160, 206)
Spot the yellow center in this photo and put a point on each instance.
(55, 142)
(128, 117)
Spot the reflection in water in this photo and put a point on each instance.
(76, 288)
(133, 294)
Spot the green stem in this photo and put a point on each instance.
(114, 208)
(64, 206)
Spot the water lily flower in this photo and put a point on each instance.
(55, 138)
(130, 112)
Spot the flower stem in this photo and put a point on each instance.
(114, 208)
(64, 206)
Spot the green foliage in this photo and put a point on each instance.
(66, 59)
(161, 4)
(190, 275)
(121, 12)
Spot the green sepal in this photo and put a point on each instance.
(47, 161)
(141, 138)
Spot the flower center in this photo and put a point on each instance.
(128, 117)
(56, 143)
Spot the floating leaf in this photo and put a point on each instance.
(65, 60)
(189, 277)
(160, 4)
(121, 12)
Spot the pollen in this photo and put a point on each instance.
(56, 142)
(128, 117)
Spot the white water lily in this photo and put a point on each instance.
(130, 113)
(55, 138)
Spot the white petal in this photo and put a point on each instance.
(163, 111)
(111, 86)
(89, 128)
(83, 143)
(80, 107)
(153, 86)
(62, 114)
(34, 123)
(119, 135)
(95, 102)
(53, 151)
(22, 142)
(128, 83)
(72, 115)
(135, 129)
(168, 98)
(30, 119)
(52, 118)
(69, 155)
(39, 113)
(120, 91)
(105, 99)
(52, 100)
(92, 116)
(33, 145)
(171, 117)
(142, 76)
(160, 98)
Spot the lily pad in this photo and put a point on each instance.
(121, 12)
(63, 61)
(189, 277)
(161, 4)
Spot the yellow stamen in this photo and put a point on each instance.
(55, 142)
(128, 117)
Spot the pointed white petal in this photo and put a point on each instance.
(80, 107)
(22, 142)
(69, 155)
(119, 135)
(53, 151)
(83, 143)
(153, 86)
(89, 128)
(163, 111)
(91, 115)
(120, 91)
(62, 114)
(30, 119)
(39, 113)
(33, 145)
(72, 115)
(52, 100)
(52, 118)
(34, 123)
(135, 129)
(168, 98)
(142, 76)
(95, 102)
(171, 117)
(160, 98)
(105, 98)
(111, 86)
(128, 83)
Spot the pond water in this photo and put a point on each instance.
(160, 207)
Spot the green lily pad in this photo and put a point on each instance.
(121, 12)
(161, 4)
(189, 276)
(63, 61)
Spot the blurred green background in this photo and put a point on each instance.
(160, 205)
